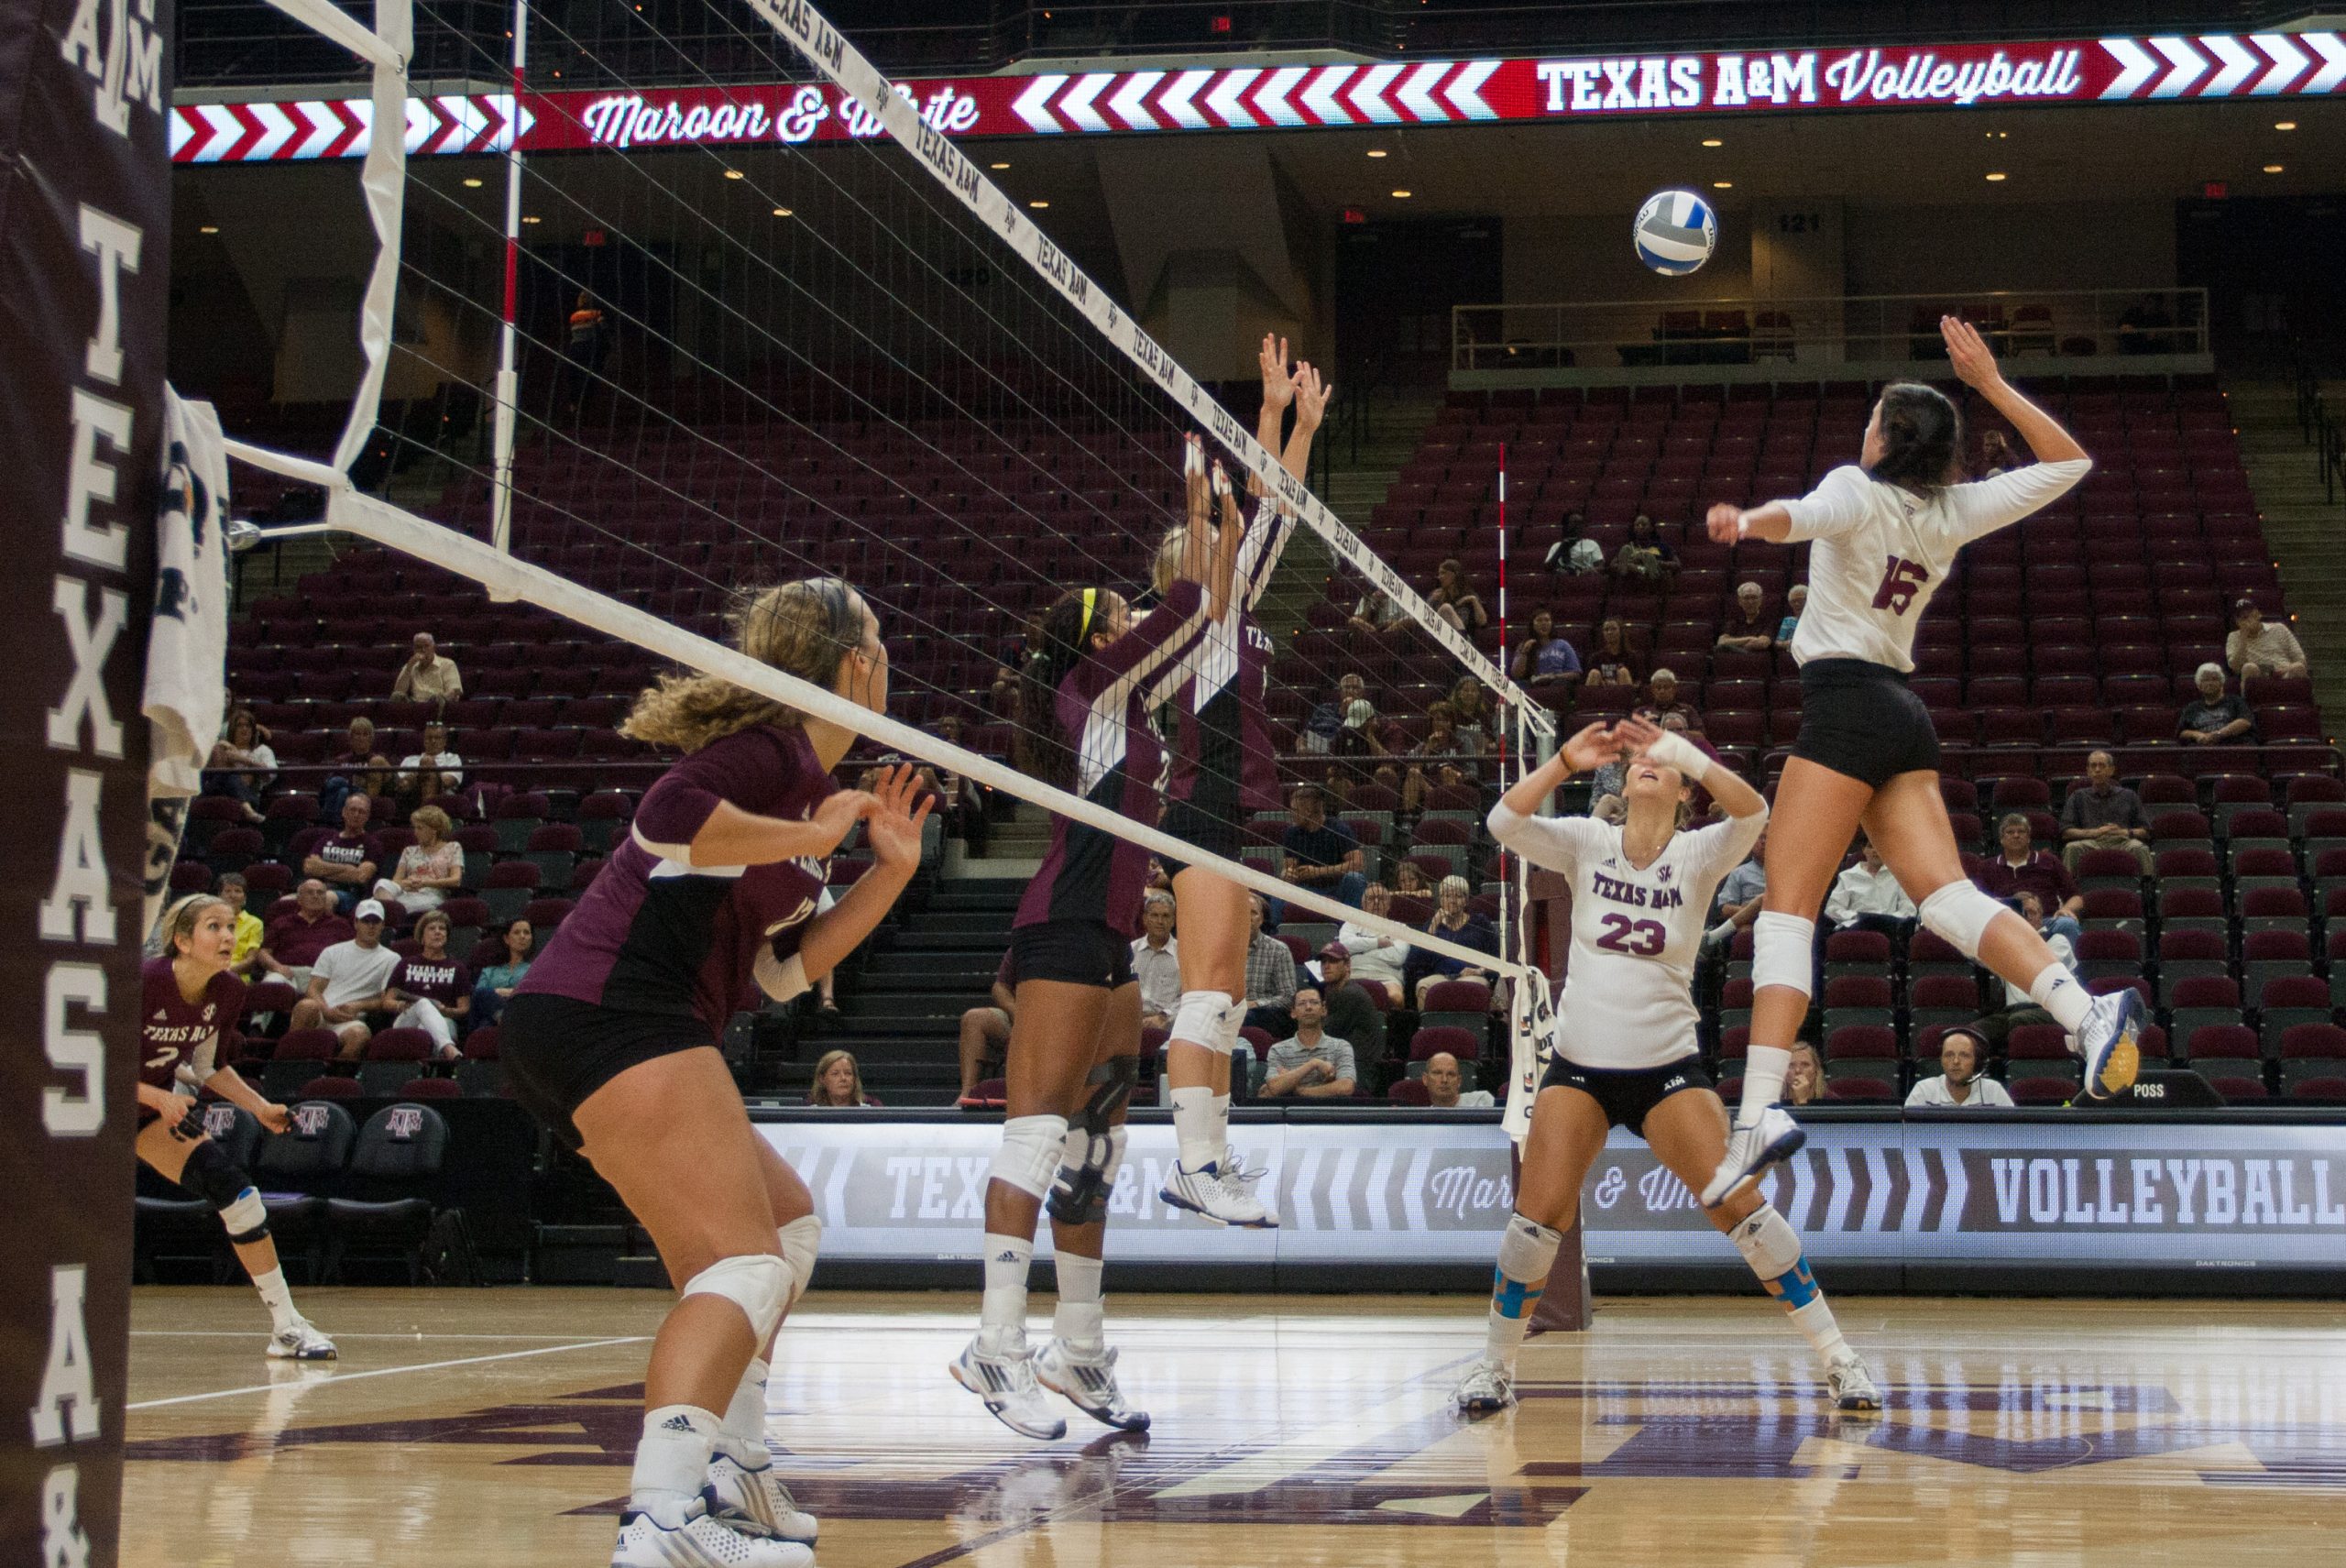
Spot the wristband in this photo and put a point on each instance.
(1742, 525)
(1674, 750)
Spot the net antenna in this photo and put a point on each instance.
(507, 578)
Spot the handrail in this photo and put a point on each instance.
(2322, 432)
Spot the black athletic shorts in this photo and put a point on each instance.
(557, 1050)
(1861, 721)
(1627, 1095)
(1076, 952)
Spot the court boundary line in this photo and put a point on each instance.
(340, 1377)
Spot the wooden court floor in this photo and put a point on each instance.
(494, 1426)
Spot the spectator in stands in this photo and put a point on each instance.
(1963, 1077)
(1443, 741)
(985, 1029)
(1804, 1078)
(1443, 1083)
(1476, 715)
(1995, 454)
(345, 862)
(1156, 962)
(1572, 554)
(1352, 1016)
(1751, 629)
(1002, 696)
(429, 676)
(1320, 731)
(2102, 813)
(359, 768)
(1662, 704)
(1377, 960)
(1545, 662)
(348, 981)
(241, 764)
(2016, 865)
(1410, 883)
(1452, 919)
(429, 990)
(1736, 903)
(1454, 599)
(2216, 715)
(496, 986)
(1645, 557)
(250, 930)
(295, 940)
(1377, 614)
(1364, 735)
(838, 1081)
(2255, 648)
(964, 804)
(1610, 663)
(430, 869)
(1317, 853)
(1866, 897)
(1270, 974)
(426, 775)
(1310, 1064)
(2017, 1007)
(1794, 603)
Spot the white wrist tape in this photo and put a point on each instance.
(1674, 750)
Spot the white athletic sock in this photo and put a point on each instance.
(2058, 992)
(1527, 1255)
(1816, 1321)
(1002, 1319)
(672, 1464)
(743, 1437)
(1763, 1081)
(1081, 1317)
(278, 1298)
(1194, 1126)
(1772, 1248)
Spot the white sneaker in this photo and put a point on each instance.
(1220, 1192)
(300, 1340)
(1088, 1380)
(701, 1542)
(1006, 1383)
(2107, 1042)
(1487, 1388)
(1751, 1150)
(756, 1501)
(1852, 1385)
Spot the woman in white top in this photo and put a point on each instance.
(1886, 535)
(1963, 1078)
(1625, 1052)
(1377, 958)
(430, 869)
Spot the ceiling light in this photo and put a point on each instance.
(1038, 206)
(997, 166)
(781, 212)
(1401, 196)
(734, 174)
(2285, 125)
(2272, 168)
(533, 219)
(208, 228)
(1713, 141)
(1997, 179)
(1722, 184)
(1376, 152)
(472, 185)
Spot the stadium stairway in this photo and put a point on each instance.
(1393, 424)
(2300, 526)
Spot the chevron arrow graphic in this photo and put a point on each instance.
(464, 119)
(2189, 65)
(1368, 93)
(1176, 105)
(1034, 104)
(1416, 93)
(1271, 98)
(1223, 99)
(321, 127)
(1074, 104)
(1465, 90)
(1321, 96)
(276, 130)
(2136, 67)
(221, 127)
(1125, 101)
(181, 131)
(2288, 62)
(2334, 54)
(2239, 64)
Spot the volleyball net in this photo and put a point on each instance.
(699, 370)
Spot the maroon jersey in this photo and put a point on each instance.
(442, 980)
(655, 934)
(201, 1035)
(1224, 760)
(1106, 707)
(296, 943)
(353, 850)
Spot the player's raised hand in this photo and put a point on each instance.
(1974, 362)
(1311, 397)
(893, 826)
(1724, 523)
(838, 815)
(1631, 736)
(1193, 476)
(1590, 749)
(1276, 388)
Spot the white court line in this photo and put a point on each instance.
(341, 1378)
(339, 1336)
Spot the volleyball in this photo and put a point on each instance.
(1675, 232)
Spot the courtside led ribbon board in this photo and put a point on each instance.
(2177, 68)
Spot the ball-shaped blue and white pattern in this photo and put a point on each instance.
(1675, 232)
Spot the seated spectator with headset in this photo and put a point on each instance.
(1963, 1076)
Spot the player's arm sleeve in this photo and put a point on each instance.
(1837, 506)
(1986, 505)
(1725, 844)
(679, 805)
(1552, 843)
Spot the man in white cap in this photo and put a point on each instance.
(347, 983)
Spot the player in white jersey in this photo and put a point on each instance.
(1625, 1053)
(1886, 533)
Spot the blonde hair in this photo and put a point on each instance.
(815, 1085)
(1167, 567)
(805, 629)
(179, 919)
(432, 816)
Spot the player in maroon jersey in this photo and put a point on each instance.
(188, 1008)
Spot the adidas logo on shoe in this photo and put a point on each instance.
(677, 1423)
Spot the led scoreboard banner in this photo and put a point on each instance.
(2187, 68)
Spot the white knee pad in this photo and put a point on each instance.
(1200, 1016)
(1961, 912)
(1784, 951)
(1029, 1156)
(758, 1283)
(1231, 1021)
(1767, 1243)
(801, 1240)
(246, 1215)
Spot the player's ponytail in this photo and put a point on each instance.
(1055, 646)
(1921, 433)
(805, 628)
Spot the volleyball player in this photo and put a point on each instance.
(611, 1040)
(189, 1004)
(1093, 680)
(1887, 530)
(1225, 765)
(1625, 1047)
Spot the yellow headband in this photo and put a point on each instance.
(1091, 601)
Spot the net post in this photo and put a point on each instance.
(508, 380)
(1507, 752)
